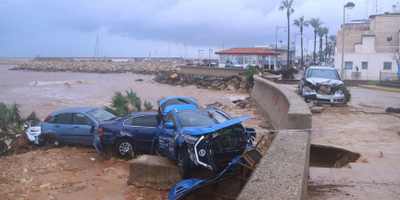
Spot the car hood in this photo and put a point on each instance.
(199, 130)
(324, 81)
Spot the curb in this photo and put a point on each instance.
(380, 88)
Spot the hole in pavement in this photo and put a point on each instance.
(331, 157)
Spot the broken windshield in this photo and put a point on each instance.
(200, 117)
(323, 73)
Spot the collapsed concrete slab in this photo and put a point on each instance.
(162, 173)
(156, 172)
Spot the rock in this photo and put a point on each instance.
(241, 90)
(191, 80)
(231, 88)
(222, 87)
(216, 104)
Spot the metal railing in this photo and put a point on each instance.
(389, 77)
(347, 49)
(386, 49)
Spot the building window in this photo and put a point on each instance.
(348, 65)
(223, 58)
(364, 65)
(387, 65)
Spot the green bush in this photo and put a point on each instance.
(249, 73)
(11, 124)
(126, 104)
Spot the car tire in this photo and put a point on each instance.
(183, 164)
(155, 149)
(125, 147)
(52, 141)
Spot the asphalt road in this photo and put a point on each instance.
(391, 99)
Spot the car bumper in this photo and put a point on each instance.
(335, 99)
(97, 144)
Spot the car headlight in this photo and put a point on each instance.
(339, 92)
(190, 139)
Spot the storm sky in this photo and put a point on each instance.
(127, 28)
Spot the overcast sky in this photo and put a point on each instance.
(132, 27)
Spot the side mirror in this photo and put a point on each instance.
(169, 125)
(26, 126)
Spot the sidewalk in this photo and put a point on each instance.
(374, 87)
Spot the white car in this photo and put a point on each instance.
(33, 129)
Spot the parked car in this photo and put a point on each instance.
(324, 85)
(207, 138)
(233, 63)
(33, 129)
(128, 134)
(74, 126)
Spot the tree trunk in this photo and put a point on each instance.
(288, 41)
(326, 47)
(315, 44)
(301, 34)
(320, 49)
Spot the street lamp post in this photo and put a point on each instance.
(350, 6)
(276, 43)
(294, 55)
(198, 55)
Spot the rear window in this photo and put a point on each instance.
(64, 118)
(144, 121)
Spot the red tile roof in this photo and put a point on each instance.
(247, 51)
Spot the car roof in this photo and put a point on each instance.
(80, 109)
(321, 67)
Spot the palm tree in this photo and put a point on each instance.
(332, 38)
(124, 105)
(11, 124)
(315, 23)
(326, 30)
(320, 33)
(287, 4)
(301, 23)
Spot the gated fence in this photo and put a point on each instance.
(391, 77)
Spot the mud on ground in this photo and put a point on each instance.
(79, 172)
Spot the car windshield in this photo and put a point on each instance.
(235, 62)
(322, 73)
(101, 115)
(201, 117)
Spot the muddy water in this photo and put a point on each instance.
(45, 92)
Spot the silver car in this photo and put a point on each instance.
(323, 85)
(233, 63)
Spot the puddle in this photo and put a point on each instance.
(331, 157)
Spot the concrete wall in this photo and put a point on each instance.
(283, 171)
(212, 71)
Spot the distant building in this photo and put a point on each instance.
(248, 56)
(282, 54)
(366, 46)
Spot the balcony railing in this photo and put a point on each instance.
(356, 26)
(386, 49)
(347, 49)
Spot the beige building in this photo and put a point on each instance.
(366, 47)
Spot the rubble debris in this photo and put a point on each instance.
(287, 73)
(391, 109)
(138, 80)
(216, 105)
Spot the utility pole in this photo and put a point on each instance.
(209, 57)
(97, 46)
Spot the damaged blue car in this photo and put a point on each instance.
(128, 134)
(206, 138)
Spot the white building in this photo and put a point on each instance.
(366, 47)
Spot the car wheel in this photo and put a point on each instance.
(53, 141)
(184, 169)
(125, 147)
(155, 149)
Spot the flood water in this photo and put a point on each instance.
(46, 92)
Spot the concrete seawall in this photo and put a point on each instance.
(283, 171)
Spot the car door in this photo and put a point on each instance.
(143, 129)
(82, 128)
(63, 127)
(167, 135)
